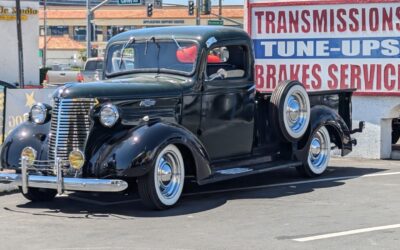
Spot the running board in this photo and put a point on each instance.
(235, 172)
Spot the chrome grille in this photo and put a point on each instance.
(70, 125)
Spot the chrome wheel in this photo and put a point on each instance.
(169, 174)
(297, 112)
(320, 151)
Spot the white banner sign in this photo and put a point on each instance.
(328, 46)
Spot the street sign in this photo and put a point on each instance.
(158, 4)
(215, 22)
(129, 2)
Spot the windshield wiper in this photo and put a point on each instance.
(130, 41)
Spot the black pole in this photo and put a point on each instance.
(20, 47)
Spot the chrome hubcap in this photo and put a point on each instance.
(168, 175)
(319, 150)
(296, 112)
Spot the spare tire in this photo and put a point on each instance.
(289, 111)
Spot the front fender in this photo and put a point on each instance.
(337, 127)
(133, 153)
(26, 134)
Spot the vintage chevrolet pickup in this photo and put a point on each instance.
(176, 102)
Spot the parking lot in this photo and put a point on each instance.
(354, 206)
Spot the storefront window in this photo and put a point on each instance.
(80, 33)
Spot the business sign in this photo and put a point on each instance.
(19, 103)
(129, 2)
(348, 44)
(215, 22)
(10, 13)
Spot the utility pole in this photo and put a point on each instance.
(20, 47)
(88, 31)
(220, 9)
(198, 8)
(44, 55)
(90, 14)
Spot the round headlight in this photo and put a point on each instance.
(39, 113)
(109, 115)
(76, 159)
(29, 154)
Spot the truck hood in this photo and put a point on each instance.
(133, 87)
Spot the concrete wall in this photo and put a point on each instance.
(377, 112)
(9, 44)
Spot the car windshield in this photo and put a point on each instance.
(152, 56)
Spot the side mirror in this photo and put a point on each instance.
(221, 73)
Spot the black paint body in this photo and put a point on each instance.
(214, 123)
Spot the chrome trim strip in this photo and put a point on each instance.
(24, 177)
(70, 184)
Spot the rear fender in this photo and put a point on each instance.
(134, 153)
(337, 127)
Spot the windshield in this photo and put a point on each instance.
(152, 56)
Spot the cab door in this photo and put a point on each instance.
(228, 102)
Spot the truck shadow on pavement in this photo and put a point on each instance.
(196, 198)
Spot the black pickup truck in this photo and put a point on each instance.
(176, 102)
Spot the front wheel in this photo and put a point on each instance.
(319, 154)
(162, 187)
(39, 194)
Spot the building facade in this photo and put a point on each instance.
(111, 20)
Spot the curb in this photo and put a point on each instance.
(6, 189)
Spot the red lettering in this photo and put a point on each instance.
(387, 19)
(306, 27)
(305, 76)
(374, 19)
(352, 15)
(333, 83)
(294, 72)
(378, 77)
(342, 26)
(282, 72)
(259, 14)
(294, 21)
(364, 19)
(355, 76)
(269, 22)
(344, 76)
(259, 76)
(320, 21)
(369, 76)
(389, 84)
(316, 71)
(270, 77)
(332, 20)
(281, 22)
(398, 17)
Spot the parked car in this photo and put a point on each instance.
(59, 74)
(175, 102)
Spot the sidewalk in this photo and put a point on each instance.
(7, 188)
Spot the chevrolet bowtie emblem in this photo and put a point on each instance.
(147, 103)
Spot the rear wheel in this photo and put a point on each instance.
(162, 187)
(39, 194)
(319, 154)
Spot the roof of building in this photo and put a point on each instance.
(202, 34)
(60, 43)
(135, 12)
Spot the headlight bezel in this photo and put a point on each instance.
(45, 111)
(102, 115)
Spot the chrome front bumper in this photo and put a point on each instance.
(61, 183)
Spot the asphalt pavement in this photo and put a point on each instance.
(355, 205)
